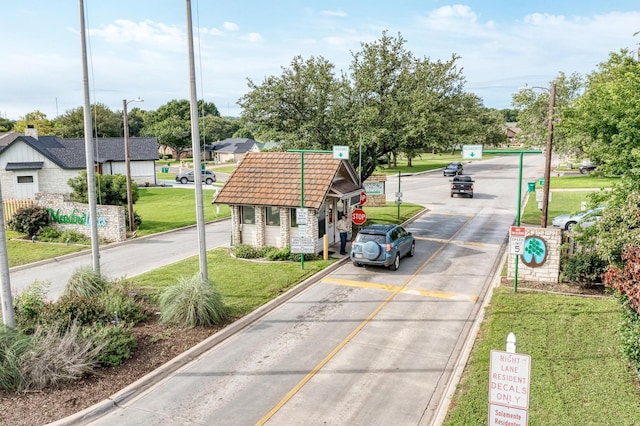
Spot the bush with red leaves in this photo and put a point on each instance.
(627, 280)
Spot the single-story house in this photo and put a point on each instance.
(30, 163)
(266, 191)
(230, 150)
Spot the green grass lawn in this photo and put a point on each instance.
(578, 376)
(567, 195)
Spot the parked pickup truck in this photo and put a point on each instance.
(462, 185)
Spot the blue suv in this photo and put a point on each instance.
(382, 245)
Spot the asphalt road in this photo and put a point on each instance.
(357, 346)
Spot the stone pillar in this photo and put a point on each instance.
(540, 261)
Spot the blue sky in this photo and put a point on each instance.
(139, 47)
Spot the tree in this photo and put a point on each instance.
(6, 125)
(295, 107)
(36, 119)
(171, 123)
(214, 128)
(110, 189)
(532, 105)
(106, 123)
(606, 118)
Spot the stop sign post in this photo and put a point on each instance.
(358, 216)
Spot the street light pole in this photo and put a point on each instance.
(127, 159)
(547, 166)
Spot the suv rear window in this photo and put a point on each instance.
(363, 238)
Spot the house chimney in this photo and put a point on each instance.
(31, 131)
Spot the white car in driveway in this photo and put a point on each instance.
(585, 219)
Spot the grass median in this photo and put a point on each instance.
(578, 376)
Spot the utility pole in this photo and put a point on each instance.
(547, 167)
(88, 143)
(195, 147)
(7, 301)
(127, 157)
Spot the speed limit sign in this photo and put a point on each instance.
(516, 239)
(516, 245)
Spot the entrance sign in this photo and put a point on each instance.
(499, 415)
(358, 216)
(341, 152)
(471, 152)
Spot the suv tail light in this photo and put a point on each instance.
(471, 186)
(388, 247)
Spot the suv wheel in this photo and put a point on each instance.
(209, 181)
(184, 180)
(396, 263)
(412, 251)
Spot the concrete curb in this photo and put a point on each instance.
(145, 383)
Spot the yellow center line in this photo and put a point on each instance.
(357, 330)
(388, 287)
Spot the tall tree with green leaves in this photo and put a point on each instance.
(532, 105)
(36, 119)
(607, 115)
(171, 123)
(106, 123)
(294, 108)
(6, 125)
(379, 95)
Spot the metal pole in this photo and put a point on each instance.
(127, 157)
(515, 278)
(195, 147)
(302, 200)
(7, 301)
(88, 142)
(547, 167)
(398, 200)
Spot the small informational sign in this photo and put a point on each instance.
(302, 245)
(341, 152)
(516, 239)
(471, 152)
(509, 379)
(540, 196)
(302, 216)
(363, 198)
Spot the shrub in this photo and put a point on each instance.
(13, 346)
(116, 342)
(128, 310)
(72, 237)
(583, 268)
(30, 220)
(86, 282)
(279, 254)
(192, 302)
(137, 220)
(49, 233)
(71, 308)
(30, 306)
(57, 357)
(245, 251)
(630, 333)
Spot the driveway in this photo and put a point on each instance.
(360, 346)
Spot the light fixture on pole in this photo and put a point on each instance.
(127, 159)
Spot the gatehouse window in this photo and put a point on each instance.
(248, 215)
(273, 216)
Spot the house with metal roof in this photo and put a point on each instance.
(30, 163)
(267, 190)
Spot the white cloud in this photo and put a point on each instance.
(230, 26)
(252, 37)
(146, 32)
(337, 13)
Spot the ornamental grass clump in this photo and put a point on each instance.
(85, 282)
(13, 346)
(192, 302)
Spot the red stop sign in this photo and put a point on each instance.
(363, 197)
(358, 216)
